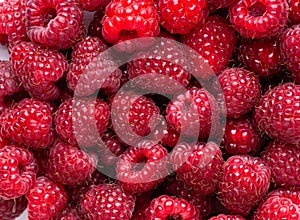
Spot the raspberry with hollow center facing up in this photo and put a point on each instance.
(243, 183)
(126, 20)
(107, 202)
(167, 207)
(259, 18)
(198, 166)
(141, 168)
(179, 17)
(282, 203)
(278, 113)
(18, 169)
(29, 123)
(56, 24)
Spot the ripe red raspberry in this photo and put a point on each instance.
(18, 169)
(69, 165)
(107, 202)
(241, 90)
(56, 24)
(85, 65)
(29, 123)
(38, 69)
(278, 113)
(69, 213)
(241, 136)
(294, 14)
(214, 40)
(261, 57)
(290, 39)
(125, 20)
(45, 199)
(283, 159)
(11, 209)
(167, 207)
(85, 113)
(166, 58)
(281, 203)
(227, 217)
(196, 110)
(12, 17)
(92, 5)
(95, 27)
(243, 183)
(179, 17)
(9, 83)
(198, 166)
(259, 19)
(171, 137)
(141, 168)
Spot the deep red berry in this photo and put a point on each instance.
(294, 15)
(69, 213)
(179, 17)
(171, 137)
(69, 165)
(29, 123)
(89, 73)
(92, 5)
(259, 19)
(215, 41)
(227, 217)
(284, 162)
(11, 209)
(126, 20)
(241, 90)
(243, 183)
(82, 121)
(107, 202)
(196, 110)
(56, 24)
(241, 136)
(95, 26)
(290, 39)
(45, 199)
(165, 207)
(38, 69)
(141, 168)
(279, 204)
(261, 57)
(198, 166)
(278, 113)
(18, 169)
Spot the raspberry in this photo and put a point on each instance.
(12, 17)
(84, 58)
(278, 113)
(18, 170)
(243, 183)
(125, 20)
(196, 110)
(166, 207)
(11, 209)
(198, 166)
(69, 213)
(241, 90)
(95, 26)
(227, 217)
(165, 57)
(29, 123)
(294, 14)
(283, 160)
(107, 201)
(214, 40)
(37, 69)
(279, 204)
(141, 168)
(290, 51)
(259, 19)
(179, 17)
(9, 83)
(45, 199)
(261, 57)
(171, 137)
(83, 112)
(92, 5)
(241, 136)
(69, 165)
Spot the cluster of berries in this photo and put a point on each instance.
(74, 144)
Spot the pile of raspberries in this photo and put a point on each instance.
(100, 152)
